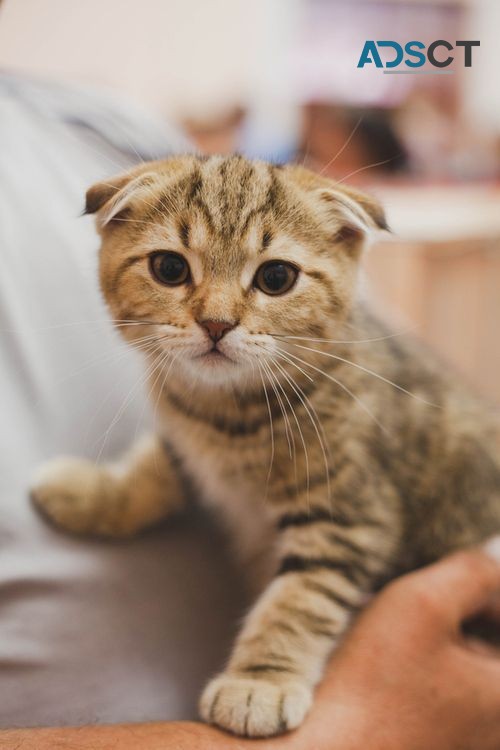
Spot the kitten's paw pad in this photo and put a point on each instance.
(66, 490)
(255, 707)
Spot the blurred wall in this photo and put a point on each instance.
(482, 95)
(178, 56)
(195, 57)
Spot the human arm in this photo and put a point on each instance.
(152, 736)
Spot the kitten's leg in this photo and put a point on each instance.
(281, 653)
(116, 499)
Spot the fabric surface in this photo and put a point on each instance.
(89, 631)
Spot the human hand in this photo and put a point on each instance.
(406, 678)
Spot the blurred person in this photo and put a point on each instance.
(247, 130)
(217, 135)
(83, 626)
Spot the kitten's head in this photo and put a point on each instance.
(217, 259)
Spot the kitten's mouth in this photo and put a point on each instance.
(214, 355)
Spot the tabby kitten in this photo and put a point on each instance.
(339, 455)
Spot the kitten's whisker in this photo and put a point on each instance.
(133, 391)
(104, 322)
(343, 341)
(142, 322)
(101, 405)
(106, 357)
(343, 148)
(156, 375)
(129, 142)
(368, 371)
(270, 427)
(315, 420)
(285, 415)
(306, 152)
(282, 354)
(283, 411)
(302, 439)
(337, 382)
(280, 384)
(145, 348)
(102, 359)
(82, 142)
(288, 429)
(279, 353)
(159, 369)
(160, 390)
(363, 169)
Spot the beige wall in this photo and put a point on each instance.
(173, 55)
(194, 56)
(447, 294)
(482, 90)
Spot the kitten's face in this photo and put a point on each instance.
(216, 260)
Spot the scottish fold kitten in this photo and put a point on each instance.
(339, 455)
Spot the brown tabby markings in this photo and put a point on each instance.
(365, 482)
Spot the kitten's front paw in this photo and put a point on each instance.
(255, 707)
(69, 492)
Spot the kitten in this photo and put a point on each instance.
(339, 455)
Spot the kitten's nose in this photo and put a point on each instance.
(216, 329)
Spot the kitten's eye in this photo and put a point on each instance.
(276, 277)
(169, 268)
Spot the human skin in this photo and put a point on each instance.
(404, 679)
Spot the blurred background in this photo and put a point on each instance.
(277, 79)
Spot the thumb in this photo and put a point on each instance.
(463, 584)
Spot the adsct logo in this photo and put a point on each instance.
(412, 57)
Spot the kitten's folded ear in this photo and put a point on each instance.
(370, 205)
(110, 198)
(354, 215)
(358, 214)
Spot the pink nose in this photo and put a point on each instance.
(216, 329)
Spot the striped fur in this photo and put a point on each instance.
(330, 479)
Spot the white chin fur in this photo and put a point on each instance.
(214, 371)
